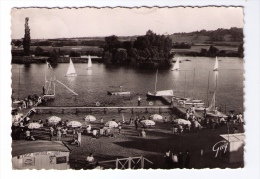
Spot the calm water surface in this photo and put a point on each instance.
(92, 85)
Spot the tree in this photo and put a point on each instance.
(17, 43)
(112, 42)
(54, 56)
(213, 51)
(27, 38)
(74, 54)
(121, 56)
(240, 51)
(38, 51)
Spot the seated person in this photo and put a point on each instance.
(95, 133)
(97, 166)
(89, 129)
(75, 142)
(90, 158)
(180, 129)
(143, 134)
(101, 131)
(107, 131)
(235, 130)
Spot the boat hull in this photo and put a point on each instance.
(118, 92)
(71, 75)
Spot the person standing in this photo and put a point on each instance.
(79, 137)
(51, 133)
(136, 124)
(180, 160)
(187, 160)
(240, 118)
(119, 127)
(58, 135)
(175, 160)
(101, 120)
(43, 90)
(139, 100)
(167, 159)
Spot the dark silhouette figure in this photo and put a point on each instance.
(180, 160)
(187, 160)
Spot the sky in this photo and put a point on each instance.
(89, 22)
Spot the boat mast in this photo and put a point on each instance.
(208, 90)
(185, 86)
(193, 83)
(156, 80)
(19, 85)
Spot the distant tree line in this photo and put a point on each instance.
(182, 45)
(214, 51)
(146, 51)
(236, 34)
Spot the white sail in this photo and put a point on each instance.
(216, 65)
(176, 65)
(71, 70)
(212, 103)
(89, 62)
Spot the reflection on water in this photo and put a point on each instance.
(92, 84)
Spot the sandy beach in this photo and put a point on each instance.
(153, 147)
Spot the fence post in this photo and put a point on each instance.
(129, 162)
(142, 162)
(116, 163)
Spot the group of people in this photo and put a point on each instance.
(177, 160)
(31, 101)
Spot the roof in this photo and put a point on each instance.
(234, 137)
(27, 147)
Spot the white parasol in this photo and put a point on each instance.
(111, 124)
(148, 122)
(90, 118)
(156, 117)
(182, 121)
(54, 119)
(34, 125)
(74, 124)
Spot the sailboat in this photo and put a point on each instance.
(49, 84)
(213, 110)
(188, 101)
(216, 65)
(89, 62)
(158, 94)
(71, 70)
(176, 65)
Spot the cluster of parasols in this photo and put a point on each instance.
(111, 124)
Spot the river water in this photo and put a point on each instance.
(92, 85)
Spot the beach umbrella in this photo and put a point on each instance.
(148, 122)
(182, 121)
(111, 124)
(156, 117)
(90, 118)
(54, 119)
(34, 125)
(74, 124)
